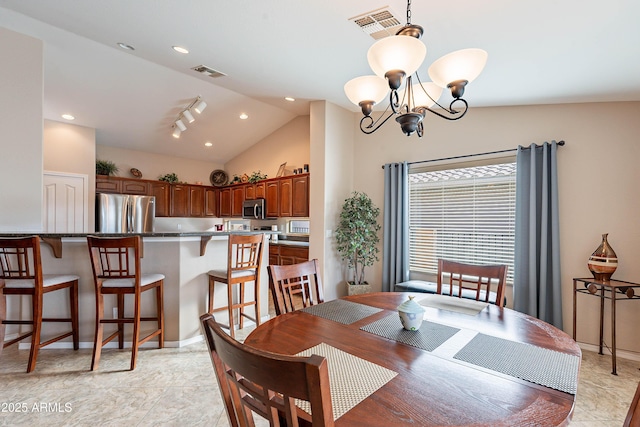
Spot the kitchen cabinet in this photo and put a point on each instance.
(272, 191)
(196, 200)
(180, 200)
(225, 202)
(106, 184)
(285, 202)
(135, 186)
(255, 191)
(210, 201)
(287, 254)
(300, 196)
(237, 199)
(161, 191)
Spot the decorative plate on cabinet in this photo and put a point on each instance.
(135, 172)
(218, 178)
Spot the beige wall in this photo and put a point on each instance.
(598, 173)
(69, 148)
(21, 89)
(331, 182)
(288, 144)
(154, 165)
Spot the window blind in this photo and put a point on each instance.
(464, 214)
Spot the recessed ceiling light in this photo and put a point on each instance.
(68, 117)
(208, 144)
(126, 46)
(244, 116)
(180, 49)
(289, 98)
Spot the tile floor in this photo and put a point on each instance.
(177, 387)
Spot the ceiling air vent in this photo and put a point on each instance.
(208, 71)
(378, 23)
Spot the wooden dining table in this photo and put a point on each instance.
(439, 386)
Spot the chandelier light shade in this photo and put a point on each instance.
(366, 91)
(179, 126)
(394, 54)
(395, 61)
(426, 94)
(465, 64)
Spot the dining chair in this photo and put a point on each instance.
(267, 383)
(293, 284)
(480, 282)
(21, 275)
(116, 271)
(633, 416)
(244, 262)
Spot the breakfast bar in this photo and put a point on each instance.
(183, 258)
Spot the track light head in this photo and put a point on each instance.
(180, 124)
(200, 106)
(176, 132)
(187, 115)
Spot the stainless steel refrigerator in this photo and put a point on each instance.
(124, 213)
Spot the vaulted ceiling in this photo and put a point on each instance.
(540, 52)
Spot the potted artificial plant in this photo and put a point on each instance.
(106, 167)
(357, 239)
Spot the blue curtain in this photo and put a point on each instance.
(537, 288)
(395, 229)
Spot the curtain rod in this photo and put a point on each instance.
(560, 143)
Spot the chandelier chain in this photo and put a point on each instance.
(408, 12)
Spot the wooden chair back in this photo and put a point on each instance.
(245, 253)
(478, 279)
(20, 259)
(633, 416)
(291, 283)
(115, 258)
(267, 383)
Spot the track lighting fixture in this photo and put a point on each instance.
(185, 116)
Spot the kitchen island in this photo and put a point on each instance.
(184, 258)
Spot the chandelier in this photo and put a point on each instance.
(394, 60)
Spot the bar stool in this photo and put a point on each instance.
(116, 271)
(21, 274)
(244, 260)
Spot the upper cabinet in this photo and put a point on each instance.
(285, 197)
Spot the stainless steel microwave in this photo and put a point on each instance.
(253, 209)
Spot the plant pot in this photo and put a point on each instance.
(358, 289)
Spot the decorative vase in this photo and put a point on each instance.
(603, 262)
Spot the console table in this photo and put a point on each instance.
(613, 290)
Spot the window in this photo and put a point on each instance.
(465, 214)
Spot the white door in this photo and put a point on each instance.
(65, 202)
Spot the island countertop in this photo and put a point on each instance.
(54, 240)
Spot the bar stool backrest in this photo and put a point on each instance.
(245, 252)
(20, 259)
(115, 258)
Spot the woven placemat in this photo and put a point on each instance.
(538, 365)
(429, 337)
(352, 379)
(341, 311)
(459, 305)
